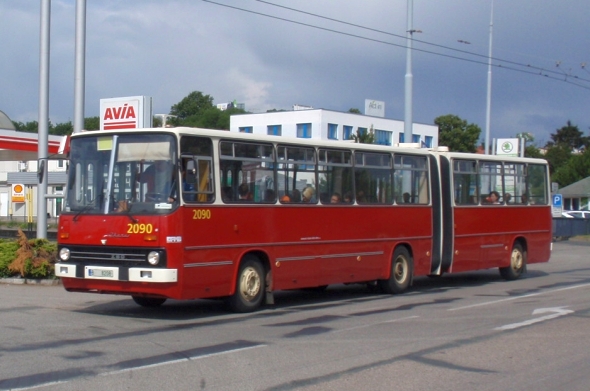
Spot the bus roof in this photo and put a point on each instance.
(224, 134)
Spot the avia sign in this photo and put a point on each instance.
(126, 113)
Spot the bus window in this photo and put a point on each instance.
(465, 182)
(410, 180)
(490, 181)
(335, 176)
(197, 183)
(372, 173)
(514, 183)
(537, 184)
(296, 172)
(252, 165)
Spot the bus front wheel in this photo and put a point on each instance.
(402, 268)
(517, 264)
(148, 301)
(250, 286)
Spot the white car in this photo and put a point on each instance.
(577, 214)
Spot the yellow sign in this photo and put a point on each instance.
(18, 193)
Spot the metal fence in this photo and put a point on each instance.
(565, 228)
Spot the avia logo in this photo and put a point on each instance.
(120, 117)
(114, 113)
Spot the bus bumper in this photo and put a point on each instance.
(135, 274)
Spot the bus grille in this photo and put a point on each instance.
(121, 256)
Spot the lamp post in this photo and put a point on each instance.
(408, 120)
(489, 93)
(43, 131)
(80, 66)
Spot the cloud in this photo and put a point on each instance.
(168, 49)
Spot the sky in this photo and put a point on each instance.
(322, 53)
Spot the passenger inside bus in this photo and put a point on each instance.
(406, 197)
(348, 197)
(307, 194)
(296, 196)
(493, 198)
(244, 192)
(158, 180)
(335, 199)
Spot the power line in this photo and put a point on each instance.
(418, 40)
(537, 70)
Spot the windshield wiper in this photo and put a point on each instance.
(127, 211)
(84, 209)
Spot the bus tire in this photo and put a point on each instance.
(148, 301)
(250, 286)
(402, 269)
(517, 264)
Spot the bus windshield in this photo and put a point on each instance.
(126, 173)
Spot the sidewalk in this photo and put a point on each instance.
(30, 281)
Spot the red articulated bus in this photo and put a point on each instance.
(189, 213)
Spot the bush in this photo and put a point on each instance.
(33, 258)
(7, 252)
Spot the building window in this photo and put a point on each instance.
(415, 138)
(428, 141)
(333, 131)
(347, 132)
(245, 129)
(362, 131)
(383, 137)
(274, 130)
(401, 137)
(304, 130)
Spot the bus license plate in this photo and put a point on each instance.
(107, 274)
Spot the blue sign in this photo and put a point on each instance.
(557, 200)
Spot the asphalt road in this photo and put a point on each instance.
(470, 331)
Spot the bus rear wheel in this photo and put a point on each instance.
(148, 301)
(517, 264)
(402, 269)
(250, 286)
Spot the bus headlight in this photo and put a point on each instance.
(64, 254)
(153, 258)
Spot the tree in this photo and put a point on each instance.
(363, 136)
(354, 111)
(533, 151)
(29, 127)
(565, 166)
(457, 134)
(62, 129)
(569, 136)
(193, 104)
(575, 169)
(92, 123)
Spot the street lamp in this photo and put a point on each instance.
(408, 120)
(489, 94)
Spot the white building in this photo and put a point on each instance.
(321, 124)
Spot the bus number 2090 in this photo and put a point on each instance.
(201, 214)
(139, 228)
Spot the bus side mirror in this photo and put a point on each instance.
(191, 172)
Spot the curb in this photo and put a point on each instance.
(29, 281)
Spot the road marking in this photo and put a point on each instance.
(187, 359)
(518, 297)
(555, 313)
